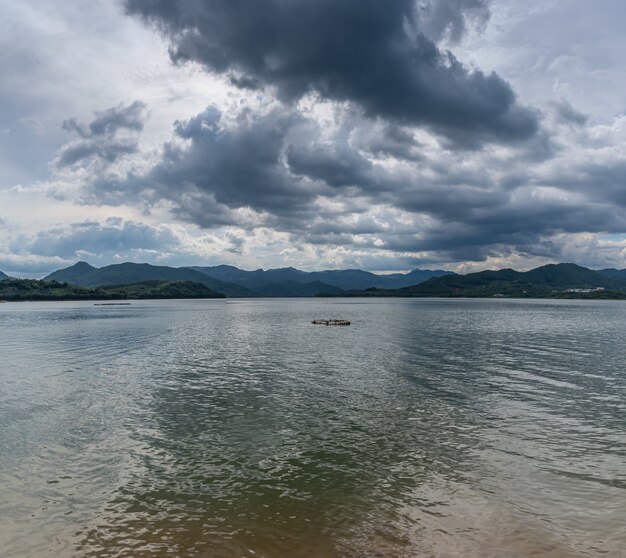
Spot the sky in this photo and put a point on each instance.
(318, 134)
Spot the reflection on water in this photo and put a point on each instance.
(237, 428)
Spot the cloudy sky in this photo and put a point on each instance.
(385, 135)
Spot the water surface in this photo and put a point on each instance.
(435, 428)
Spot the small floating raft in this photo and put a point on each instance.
(112, 304)
(331, 322)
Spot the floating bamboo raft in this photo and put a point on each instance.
(331, 322)
(112, 304)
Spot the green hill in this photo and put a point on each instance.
(294, 289)
(612, 272)
(3, 276)
(161, 290)
(85, 275)
(554, 280)
(76, 274)
(31, 289)
(569, 276)
(289, 281)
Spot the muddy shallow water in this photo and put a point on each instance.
(436, 428)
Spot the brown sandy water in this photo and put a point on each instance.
(434, 428)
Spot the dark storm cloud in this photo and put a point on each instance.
(514, 224)
(470, 224)
(392, 141)
(245, 82)
(567, 114)
(107, 151)
(602, 181)
(217, 170)
(109, 121)
(276, 164)
(336, 164)
(473, 216)
(368, 52)
(401, 167)
(112, 236)
(275, 167)
(236, 168)
(100, 139)
(450, 18)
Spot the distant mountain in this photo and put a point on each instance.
(85, 275)
(273, 280)
(571, 276)
(295, 289)
(612, 272)
(357, 279)
(266, 283)
(3, 276)
(288, 282)
(235, 282)
(31, 289)
(560, 280)
(74, 274)
(414, 277)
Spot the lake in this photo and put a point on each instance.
(231, 428)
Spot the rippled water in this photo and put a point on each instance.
(435, 428)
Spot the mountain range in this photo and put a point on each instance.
(84, 275)
(618, 273)
(554, 280)
(273, 282)
(234, 282)
(3, 276)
